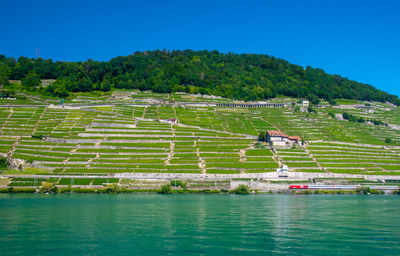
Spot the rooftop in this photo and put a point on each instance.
(281, 134)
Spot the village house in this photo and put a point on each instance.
(169, 121)
(277, 138)
(305, 103)
(172, 121)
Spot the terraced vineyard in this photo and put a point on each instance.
(123, 133)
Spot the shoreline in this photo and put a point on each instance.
(81, 190)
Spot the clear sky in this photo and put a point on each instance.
(356, 39)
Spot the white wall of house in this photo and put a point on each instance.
(275, 138)
(279, 143)
(305, 103)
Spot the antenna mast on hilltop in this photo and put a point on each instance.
(38, 52)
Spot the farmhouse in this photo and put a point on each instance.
(305, 103)
(277, 138)
(169, 121)
(172, 121)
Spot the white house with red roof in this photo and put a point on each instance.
(277, 138)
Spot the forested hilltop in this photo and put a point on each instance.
(238, 76)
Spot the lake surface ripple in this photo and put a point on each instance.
(150, 224)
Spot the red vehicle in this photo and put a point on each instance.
(298, 186)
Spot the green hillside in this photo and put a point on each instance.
(123, 133)
(234, 76)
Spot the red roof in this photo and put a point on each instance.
(281, 134)
(276, 134)
(294, 138)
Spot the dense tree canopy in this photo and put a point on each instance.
(31, 80)
(244, 76)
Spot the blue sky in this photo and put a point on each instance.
(356, 39)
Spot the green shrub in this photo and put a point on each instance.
(363, 190)
(47, 187)
(242, 190)
(113, 188)
(377, 122)
(3, 162)
(396, 192)
(376, 191)
(166, 189)
(37, 136)
(310, 109)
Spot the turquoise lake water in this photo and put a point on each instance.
(150, 224)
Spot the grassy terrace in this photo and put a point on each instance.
(23, 182)
(342, 158)
(297, 159)
(131, 138)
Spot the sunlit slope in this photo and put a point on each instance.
(205, 139)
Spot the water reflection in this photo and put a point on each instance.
(199, 224)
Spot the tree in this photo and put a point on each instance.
(310, 109)
(3, 162)
(363, 190)
(242, 190)
(377, 122)
(242, 77)
(113, 188)
(178, 88)
(332, 102)
(31, 80)
(58, 88)
(105, 86)
(262, 136)
(4, 75)
(313, 99)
